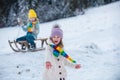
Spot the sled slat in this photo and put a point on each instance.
(43, 40)
(10, 43)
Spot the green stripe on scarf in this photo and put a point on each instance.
(59, 51)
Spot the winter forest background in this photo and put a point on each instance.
(47, 10)
(91, 37)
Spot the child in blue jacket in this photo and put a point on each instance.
(32, 29)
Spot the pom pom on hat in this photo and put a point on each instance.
(56, 31)
(32, 14)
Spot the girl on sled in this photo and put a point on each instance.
(32, 29)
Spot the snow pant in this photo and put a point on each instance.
(28, 37)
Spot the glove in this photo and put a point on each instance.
(48, 65)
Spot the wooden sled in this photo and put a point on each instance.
(16, 46)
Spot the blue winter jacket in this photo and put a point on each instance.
(35, 30)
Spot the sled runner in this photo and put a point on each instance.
(16, 46)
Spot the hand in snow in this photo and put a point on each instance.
(48, 65)
(77, 66)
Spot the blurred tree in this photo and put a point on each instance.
(47, 10)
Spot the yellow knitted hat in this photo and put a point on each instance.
(32, 14)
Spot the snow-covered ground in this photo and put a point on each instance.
(92, 39)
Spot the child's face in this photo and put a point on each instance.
(32, 19)
(56, 40)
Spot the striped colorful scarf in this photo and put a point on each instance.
(31, 25)
(59, 51)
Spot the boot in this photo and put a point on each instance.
(28, 46)
(33, 46)
(23, 47)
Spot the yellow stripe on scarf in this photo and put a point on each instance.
(31, 26)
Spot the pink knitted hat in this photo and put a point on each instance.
(56, 31)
